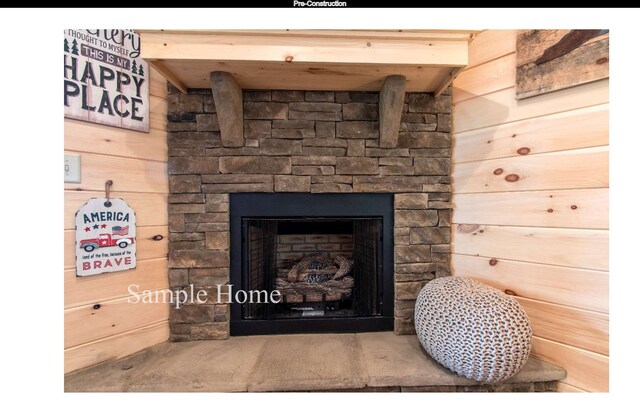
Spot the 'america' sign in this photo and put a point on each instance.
(105, 237)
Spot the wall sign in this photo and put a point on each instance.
(552, 59)
(105, 237)
(105, 79)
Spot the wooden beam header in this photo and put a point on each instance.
(309, 59)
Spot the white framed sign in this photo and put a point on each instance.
(105, 79)
(105, 237)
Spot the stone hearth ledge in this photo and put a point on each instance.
(379, 361)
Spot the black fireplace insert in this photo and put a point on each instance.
(329, 256)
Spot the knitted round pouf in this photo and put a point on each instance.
(472, 329)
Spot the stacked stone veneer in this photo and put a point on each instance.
(304, 141)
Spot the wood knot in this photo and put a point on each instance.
(512, 178)
(550, 210)
(493, 262)
(523, 151)
(368, 44)
(574, 207)
(288, 59)
(96, 306)
(498, 171)
(509, 292)
(602, 60)
(157, 237)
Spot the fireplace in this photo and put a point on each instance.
(328, 255)
(312, 167)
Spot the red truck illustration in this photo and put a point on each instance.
(105, 240)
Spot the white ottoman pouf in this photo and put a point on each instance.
(472, 329)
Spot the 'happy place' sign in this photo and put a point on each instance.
(105, 79)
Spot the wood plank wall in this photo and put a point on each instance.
(137, 164)
(547, 229)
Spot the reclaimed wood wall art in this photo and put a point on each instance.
(550, 60)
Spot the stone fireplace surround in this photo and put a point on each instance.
(312, 142)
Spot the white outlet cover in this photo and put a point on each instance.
(72, 168)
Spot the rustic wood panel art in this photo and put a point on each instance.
(550, 60)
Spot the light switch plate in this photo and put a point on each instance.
(72, 168)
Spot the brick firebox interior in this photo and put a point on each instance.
(304, 141)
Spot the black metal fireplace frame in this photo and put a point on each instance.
(320, 205)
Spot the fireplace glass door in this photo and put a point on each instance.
(311, 262)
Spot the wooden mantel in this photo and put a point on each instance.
(309, 59)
